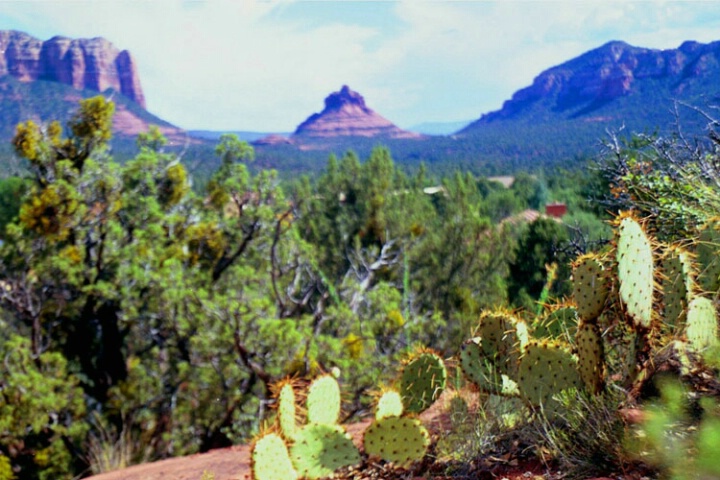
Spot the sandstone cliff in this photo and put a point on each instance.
(346, 115)
(93, 64)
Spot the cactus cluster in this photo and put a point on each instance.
(319, 448)
(314, 450)
(620, 289)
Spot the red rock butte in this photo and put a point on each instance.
(346, 115)
(94, 64)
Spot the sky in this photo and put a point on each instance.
(267, 65)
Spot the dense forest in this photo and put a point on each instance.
(143, 307)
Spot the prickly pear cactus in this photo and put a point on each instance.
(708, 256)
(546, 369)
(423, 380)
(287, 411)
(401, 440)
(591, 357)
(389, 405)
(560, 323)
(323, 400)
(270, 459)
(502, 337)
(676, 285)
(481, 370)
(635, 271)
(320, 449)
(589, 286)
(701, 327)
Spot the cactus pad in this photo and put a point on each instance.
(545, 370)
(320, 449)
(478, 368)
(423, 380)
(389, 405)
(635, 271)
(400, 440)
(323, 400)
(501, 339)
(270, 459)
(676, 285)
(708, 256)
(590, 356)
(589, 286)
(701, 328)
(287, 412)
(559, 323)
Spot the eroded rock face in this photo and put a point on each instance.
(94, 64)
(346, 114)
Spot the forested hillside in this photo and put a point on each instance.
(135, 305)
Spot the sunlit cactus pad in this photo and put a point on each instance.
(545, 370)
(320, 449)
(701, 328)
(401, 440)
(589, 286)
(590, 356)
(676, 286)
(389, 405)
(270, 459)
(323, 400)
(635, 271)
(423, 380)
(287, 411)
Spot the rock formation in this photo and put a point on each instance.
(93, 64)
(346, 115)
(609, 72)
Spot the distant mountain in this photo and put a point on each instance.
(439, 128)
(346, 115)
(215, 135)
(92, 64)
(45, 80)
(615, 84)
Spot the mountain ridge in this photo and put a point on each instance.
(588, 82)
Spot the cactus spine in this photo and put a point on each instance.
(423, 380)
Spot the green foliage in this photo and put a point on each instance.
(12, 191)
(41, 406)
(673, 442)
(535, 251)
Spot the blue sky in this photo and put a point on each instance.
(267, 65)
